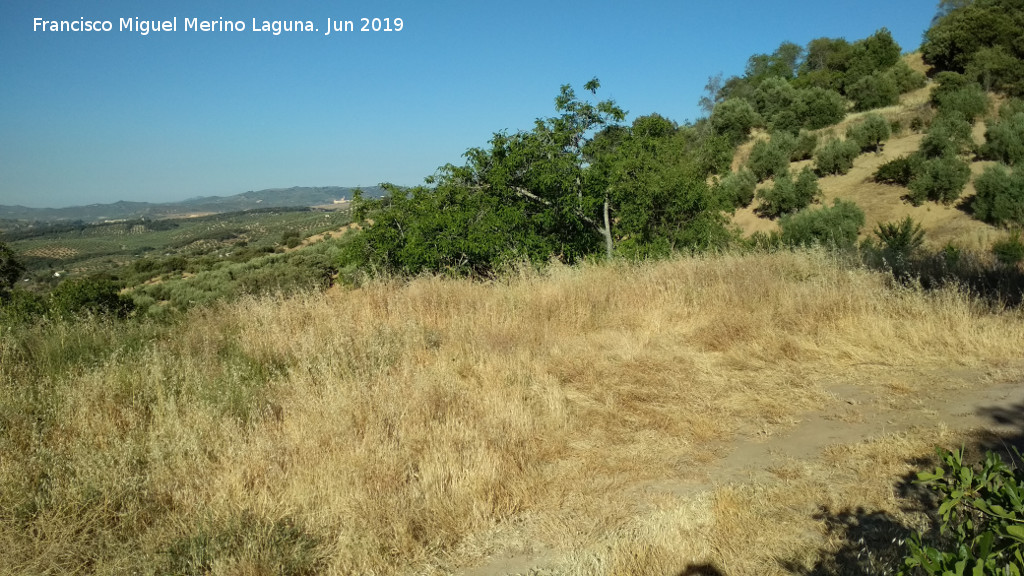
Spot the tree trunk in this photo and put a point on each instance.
(607, 231)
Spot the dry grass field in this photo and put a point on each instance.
(743, 413)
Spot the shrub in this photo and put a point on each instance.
(875, 90)
(940, 179)
(769, 157)
(93, 295)
(803, 147)
(949, 134)
(1004, 139)
(954, 94)
(787, 196)
(836, 157)
(898, 171)
(820, 108)
(733, 118)
(869, 134)
(1009, 251)
(899, 241)
(905, 78)
(738, 187)
(10, 269)
(21, 306)
(1000, 198)
(981, 519)
(836, 226)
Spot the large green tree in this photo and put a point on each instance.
(982, 39)
(578, 183)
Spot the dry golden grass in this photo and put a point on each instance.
(425, 427)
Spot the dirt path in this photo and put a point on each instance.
(966, 400)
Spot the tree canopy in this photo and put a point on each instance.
(578, 183)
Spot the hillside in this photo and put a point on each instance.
(749, 413)
(269, 198)
(943, 225)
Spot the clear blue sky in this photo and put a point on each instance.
(89, 117)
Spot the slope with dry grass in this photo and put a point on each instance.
(573, 416)
(884, 203)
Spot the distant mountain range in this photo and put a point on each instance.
(271, 198)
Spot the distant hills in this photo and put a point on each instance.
(296, 196)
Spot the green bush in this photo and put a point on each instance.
(836, 157)
(955, 95)
(835, 226)
(940, 179)
(949, 134)
(738, 187)
(905, 78)
(898, 171)
(1009, 251)
(787, 196)
(876, 90)
(803, 147)
(98, 295)
(1004, 138)
(819, 108)
(899, 241)
(734, 118)
(869, 134)
(1000, 198)
(982, 519)
(10, 270)
(770, 157)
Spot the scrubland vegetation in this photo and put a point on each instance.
(545, 351)
(409, 427)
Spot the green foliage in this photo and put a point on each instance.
(949, 135)
(577, 183)
(788, 109)
(10, 270)
(803, 147)
(734, 118)
(980, 39)
(787, 196)
(310, 268)
(940, 179)
(771, 157)
(22, 306)
(835, 157)
(1009, 251)
(876, 90)
(953, 96)
(819, 108)
(834, 226)
(737, 188)
(1004, 138)
(982, 519)
(1000, 198)
(870, 133)
(96, 295)
(899, 241)
(835, 64)
(904, 77)
(280, 546)
(291, 238)
(898, 171)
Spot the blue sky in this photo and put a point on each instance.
(89, 117)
